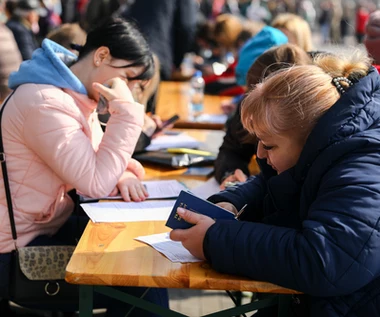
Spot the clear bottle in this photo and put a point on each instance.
(197, 87)
(187, 66)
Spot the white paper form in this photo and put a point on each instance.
(158, 210)
(207, 189)
(173, 250)
(161, 189)
(172, 141)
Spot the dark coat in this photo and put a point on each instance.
(235, 152)
(169, 27)
(319, 232)
(25, 38)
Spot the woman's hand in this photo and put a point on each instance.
(131, 188)
(151, 124)
(237, 176)
(192, 239)
(118, 89)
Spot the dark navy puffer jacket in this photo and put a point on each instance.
(316, 225)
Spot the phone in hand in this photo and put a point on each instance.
(167, 123)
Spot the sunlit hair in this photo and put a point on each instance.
(292, 100)
(231, 31)
(295, 28)
(274, 59)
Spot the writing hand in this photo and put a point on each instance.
(192, 239)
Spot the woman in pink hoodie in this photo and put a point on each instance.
(53, 141)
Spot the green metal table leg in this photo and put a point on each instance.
(86, 300)
(284, 302)
(267, 302)
(136, 301)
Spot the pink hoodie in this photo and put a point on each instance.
(53, 143)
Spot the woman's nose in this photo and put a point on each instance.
(261, 153)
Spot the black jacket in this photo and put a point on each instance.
(235, 151)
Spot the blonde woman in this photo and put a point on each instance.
(312, 217)
(295, 28)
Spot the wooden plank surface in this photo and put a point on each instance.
(173, 98)
(107, 254)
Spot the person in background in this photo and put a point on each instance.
(312, 216)
(24, 25)
(230, 34)
(54, 144)
(68, 35)
(169, 27)
(252, 48)
(325, 20)
(10, 57)
(295, 28)
(238, 148)
(372, 38)
(361, 16)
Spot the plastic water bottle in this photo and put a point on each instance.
(187, 66)
(197, 87)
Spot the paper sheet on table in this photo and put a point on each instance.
(212, 118)
(157, 210)
(162, 189)
(172, 141)
(207, 189)
(173, 250)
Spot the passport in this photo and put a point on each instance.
(193, 203)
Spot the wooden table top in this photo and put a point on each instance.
(107, 253)
(173, 99)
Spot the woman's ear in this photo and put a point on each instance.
(100, 55)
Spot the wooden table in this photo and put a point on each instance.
(173, 98)
(107, 255)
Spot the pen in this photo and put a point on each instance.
(240, 212)
(189, 151)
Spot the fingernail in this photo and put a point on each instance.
(180, 211)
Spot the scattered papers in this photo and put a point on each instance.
(157, 190)
(207, 189)
(172, 141)
(173, 250)
(212, 118)
(129, 211)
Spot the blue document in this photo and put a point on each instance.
(191, 202)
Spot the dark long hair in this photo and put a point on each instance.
(124, 41)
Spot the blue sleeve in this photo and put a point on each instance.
(336, 252)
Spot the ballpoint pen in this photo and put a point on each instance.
(240, 212)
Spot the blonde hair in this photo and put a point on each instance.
(291, 101)
(295, 28)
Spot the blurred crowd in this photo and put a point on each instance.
(184, 35)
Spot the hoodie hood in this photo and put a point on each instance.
(254, 47)
(49, 66)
